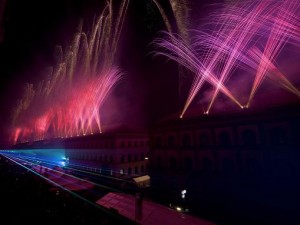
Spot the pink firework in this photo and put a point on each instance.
(70, 101)
(248, 36)
(76, 112)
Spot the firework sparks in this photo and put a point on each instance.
(248, 36)
(70, 101)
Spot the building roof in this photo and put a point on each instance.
(124, 129)
(257, 112)
(264, 101)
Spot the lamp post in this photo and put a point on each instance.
(141, 183)
(183, 193)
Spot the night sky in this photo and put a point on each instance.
(33, 28)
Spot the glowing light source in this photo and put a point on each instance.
(183, 192)
(69, 101)
(245, 36)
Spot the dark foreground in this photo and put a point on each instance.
(257, 200)
(27, 199)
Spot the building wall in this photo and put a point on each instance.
(246, 142)
(116, 155)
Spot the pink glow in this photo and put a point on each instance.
(69, 101)
(248, 36)
(76, 112)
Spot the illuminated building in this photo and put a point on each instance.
(116, 154)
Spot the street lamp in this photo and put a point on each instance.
(141, 183)
(183, 192)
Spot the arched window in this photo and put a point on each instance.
(129, 171)
(249, 137)
(142, 156)
(173, 163)
(122, 158)
(171, 141)
(158, 142)
(129, 158)
(186, 140)
(159, 162)
(278, 136)
(203, 139)
(224, 138)
(135, 157)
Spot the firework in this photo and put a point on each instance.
(69, 102)
(248, 36)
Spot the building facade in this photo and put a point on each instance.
(114, 154)
(248, 142)
(227, 164)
